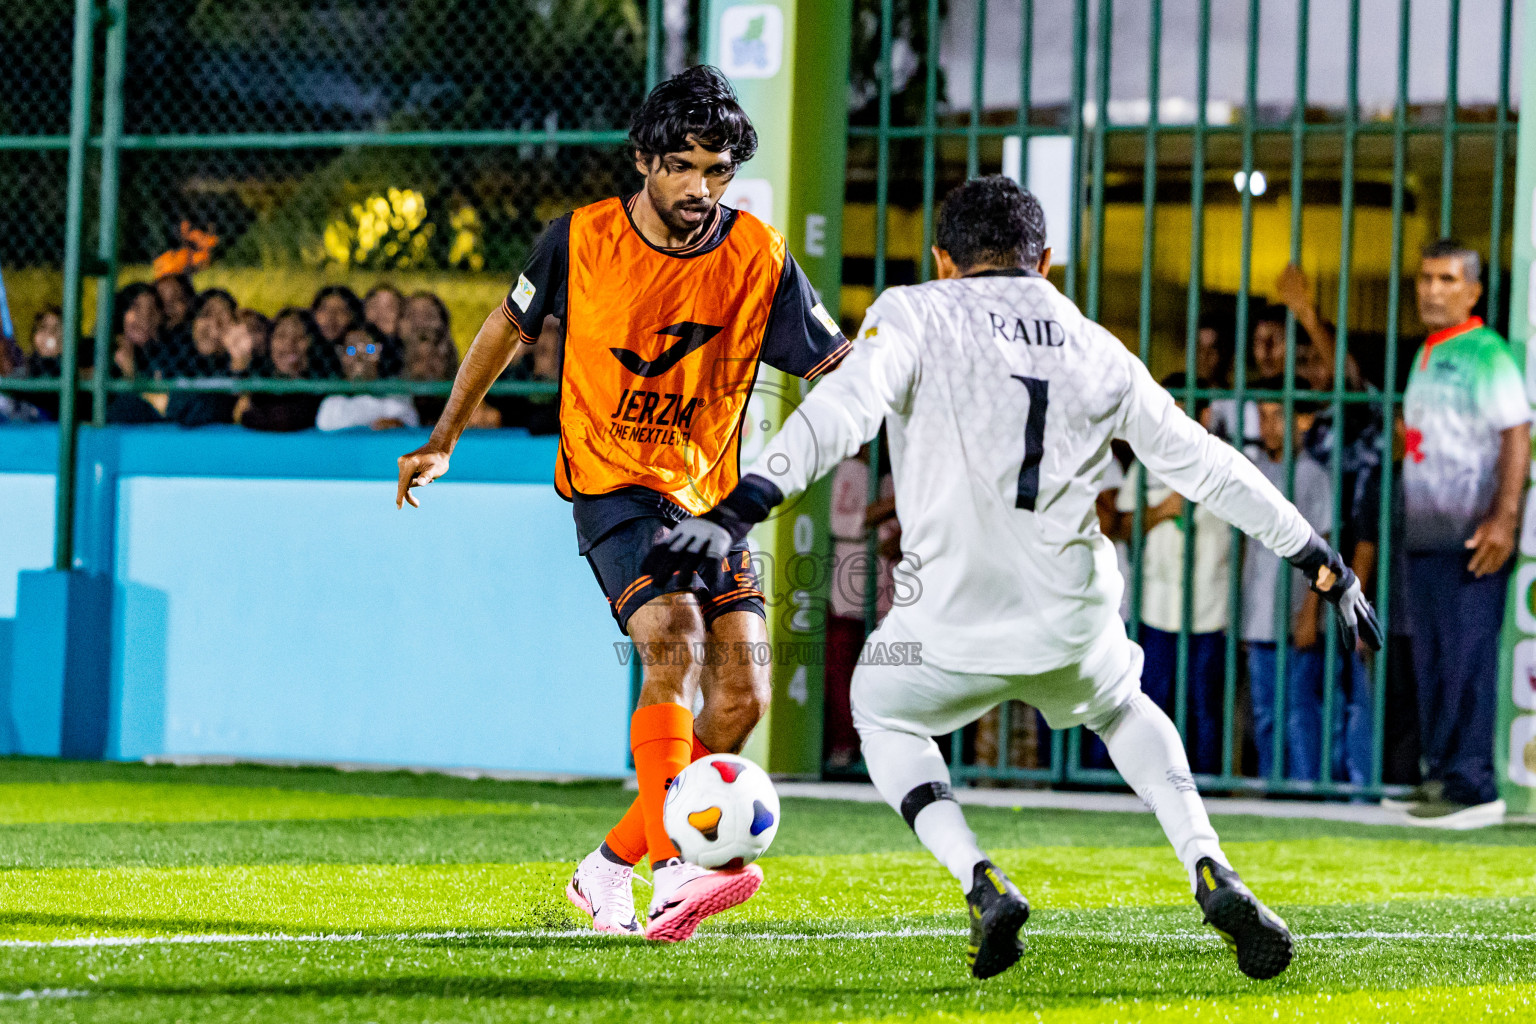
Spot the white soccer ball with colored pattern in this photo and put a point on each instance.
(722, 812)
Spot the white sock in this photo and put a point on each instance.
(911, 775)
(1150, 756)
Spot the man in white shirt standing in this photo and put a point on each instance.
(1000, 400)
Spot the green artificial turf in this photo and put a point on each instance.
(135, 893)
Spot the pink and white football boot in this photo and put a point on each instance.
(601, 889)
(685, 894)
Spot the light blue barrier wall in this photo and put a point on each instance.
(26, 530)
(270, 601)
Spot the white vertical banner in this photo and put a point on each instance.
(1050, 179)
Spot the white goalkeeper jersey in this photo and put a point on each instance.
(1000, 400)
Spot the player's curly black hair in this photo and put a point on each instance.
(991, 221)
(697, 101)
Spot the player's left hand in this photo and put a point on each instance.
(1357, 619)
(689, 547)
(1337, 584)
(693, 542)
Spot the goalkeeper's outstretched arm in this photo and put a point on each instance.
(841, 415)
(1211, 472)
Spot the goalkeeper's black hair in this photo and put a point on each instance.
(697, 101)
(991, 221)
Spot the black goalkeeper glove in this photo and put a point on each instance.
(1336, 582)
(693, 542)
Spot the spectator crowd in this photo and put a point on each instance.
(170, 331)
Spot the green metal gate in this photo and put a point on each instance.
(1427, 169)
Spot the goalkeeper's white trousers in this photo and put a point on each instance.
(898, 709)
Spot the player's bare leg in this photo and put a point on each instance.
(736, 691)
(736, 688)
(671, 627)
(668, 629)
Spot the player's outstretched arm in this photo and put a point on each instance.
(495, 346)
(842, 413)
(1211, 472)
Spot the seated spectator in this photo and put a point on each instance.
(246, 342)
(382, 308)
(360, 353)
(137, 331)
(293, 338)
(14, 408)
(138, 350)
(1266, 360)
(1313, 496)
(11, 356)
(47, 344)
(42, 362)
(177, 297)
(202, 356)
(538, 414)
(1162, 604)
(428, 352)
(336, 310)
(211, 321)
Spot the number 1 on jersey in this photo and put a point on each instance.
(1034, 440)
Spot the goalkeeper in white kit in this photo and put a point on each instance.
(1000, 400)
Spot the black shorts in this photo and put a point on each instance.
(729, 585)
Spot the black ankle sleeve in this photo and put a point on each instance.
(920, 797)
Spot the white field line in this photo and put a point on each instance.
(30, 994)
(97, 941)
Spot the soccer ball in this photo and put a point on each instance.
(721, 812)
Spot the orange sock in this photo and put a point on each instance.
(660, 735)
(627, 838)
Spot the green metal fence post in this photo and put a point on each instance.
(1144, 316)
(1192, 303)
(1500, 155)
(79, 132)
(1335, 660)
(1075, 114)
(978, 84)
(1026, 83)
(1096, 184)
(1449, 126)
(654, 14)
(1384, 609)
(1239, 384)
(930, 141)
(1288, 400)
(116, 17)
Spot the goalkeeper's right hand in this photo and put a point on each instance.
(1339, 586)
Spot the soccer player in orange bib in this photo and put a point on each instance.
(668, 301)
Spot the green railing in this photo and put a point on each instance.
(126, 102)
(1324, 148)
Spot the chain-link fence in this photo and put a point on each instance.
(293, 198)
